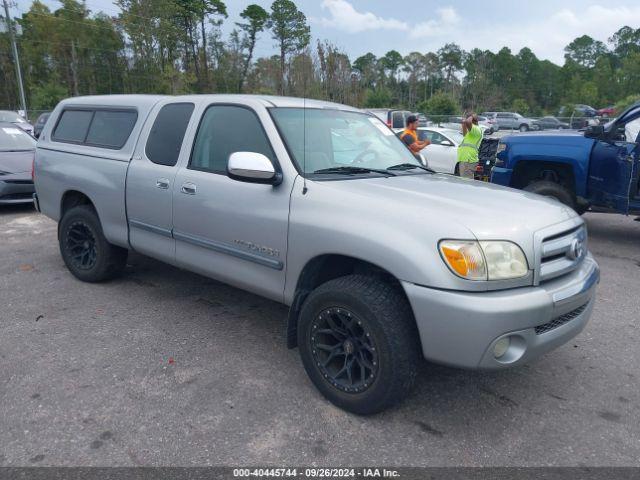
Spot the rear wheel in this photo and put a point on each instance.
(85, 251)
(359, 343)
(552, 189)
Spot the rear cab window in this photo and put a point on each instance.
(98, 127)
(167, 134)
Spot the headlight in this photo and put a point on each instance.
(488, 260)
(501, 147)
(504, 260)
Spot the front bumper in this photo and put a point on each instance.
(501, 176)
(461, 328)
(16, 191)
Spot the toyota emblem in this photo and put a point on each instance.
(576, 250)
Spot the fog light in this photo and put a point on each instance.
(501, 347)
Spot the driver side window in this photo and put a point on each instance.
(632, 131)
(434, 137)
(226, 129)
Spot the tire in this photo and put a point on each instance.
(85, 251)
(524, 127)
(379, 332)
(552, 189)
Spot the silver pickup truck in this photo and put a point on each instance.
(318, 206)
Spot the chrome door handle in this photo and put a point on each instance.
(188, 188)
(162, 183)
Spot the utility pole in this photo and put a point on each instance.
(23, 101)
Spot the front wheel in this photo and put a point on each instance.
(524, 128)
(552, 189)
(359, 343)
(85, 250)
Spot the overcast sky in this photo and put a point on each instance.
(361, 26)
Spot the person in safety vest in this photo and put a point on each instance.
(410, 136)
(468, 149)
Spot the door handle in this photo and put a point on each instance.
(162, 183)
(188, 188)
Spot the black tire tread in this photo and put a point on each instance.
(396, 319)
(552, 189)
(114, 258)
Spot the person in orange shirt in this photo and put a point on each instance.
(410, 136)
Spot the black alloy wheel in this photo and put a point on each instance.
(86, 252)
(343, 350)
(80, 244)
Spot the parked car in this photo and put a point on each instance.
(13, 117)
(380, 260)
(442, 153)
(514, 121)
(455, 123)
(596, 168)
(395, 119)
(609, 111)
(490, 127)
(551, 123)
(39, 125)
(17, 149)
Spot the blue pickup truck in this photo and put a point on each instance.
(597, 168)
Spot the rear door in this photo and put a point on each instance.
(150, 179)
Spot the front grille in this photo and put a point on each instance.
(17, 196)
(562, 252)
(561, 320)
(19, 182)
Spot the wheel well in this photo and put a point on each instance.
(320, 270)
(527, 171)
(73, 198)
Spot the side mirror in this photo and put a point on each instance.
(446, 143)
(594, 131)
(252, 167)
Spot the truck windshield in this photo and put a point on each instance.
(336, 142)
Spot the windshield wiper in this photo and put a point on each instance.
(349, 170)
(410, 166)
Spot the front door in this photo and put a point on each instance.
(150, 180)
(441, 158)
(613, 170)
(227, 229)
(610, 174)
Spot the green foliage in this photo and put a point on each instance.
(256, 20)
(520, 106)
(378, 98)
(178, 46)
(626, 102)
(47, 96)
(440, 104)
(585, 51)
(289, 28)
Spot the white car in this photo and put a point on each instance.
(442, 154)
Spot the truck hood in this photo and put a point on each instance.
(489, 211)
(16, 162)
(549, 137)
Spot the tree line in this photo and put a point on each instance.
(177, 46)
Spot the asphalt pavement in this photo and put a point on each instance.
(165, 367)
